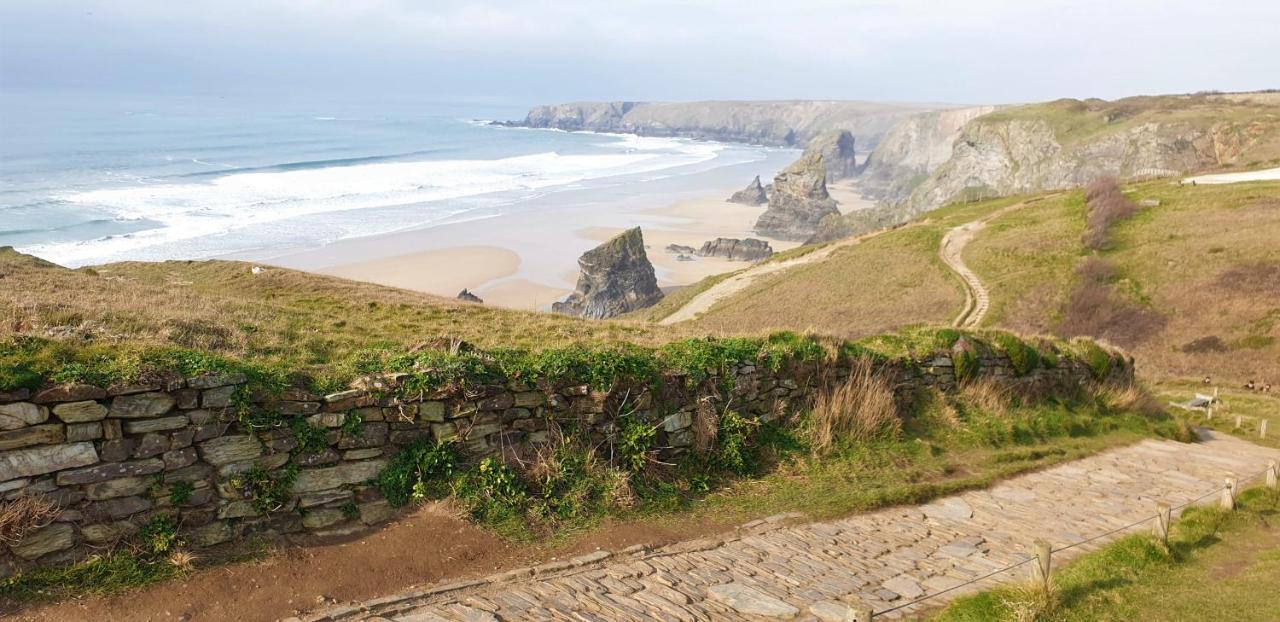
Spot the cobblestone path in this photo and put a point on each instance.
(774, 570)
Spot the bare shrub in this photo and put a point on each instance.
(24, 514)
(1255, 279)
(1030, 601)
(860, 408)
(1203, 345)
(1106, 205)
(1096, 270)
(1093, 311)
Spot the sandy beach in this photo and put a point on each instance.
(527, 259)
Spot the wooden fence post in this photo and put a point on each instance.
(1228, 501)
(1262, 429)
(1273, 471)
(1044, 556)
(862, 613)
(1239, 422)
(1208, 412)
(1164, 516)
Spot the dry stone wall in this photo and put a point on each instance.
(115, 457)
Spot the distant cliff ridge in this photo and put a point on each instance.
(772, 123)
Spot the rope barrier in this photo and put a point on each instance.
(1240, 483)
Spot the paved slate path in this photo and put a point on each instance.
(883, 559)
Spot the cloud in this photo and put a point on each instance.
(980, 50)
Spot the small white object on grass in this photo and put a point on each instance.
(256, 270)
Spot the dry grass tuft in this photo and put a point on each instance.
(858, 409)
(1030, 601)
(706, 425)
(1129, 397)
(183, 560)
(990, 395)
(24, 514)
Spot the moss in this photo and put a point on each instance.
(1097, 358)
(1022, 356)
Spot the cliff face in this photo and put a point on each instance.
(616, 278)
(837, 150)
(773, 123)
(798, 201)
(912, 149)
(1069, 143)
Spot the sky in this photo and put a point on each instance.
(509, 51)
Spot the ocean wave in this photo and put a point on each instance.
(309, 164)
(241, 199)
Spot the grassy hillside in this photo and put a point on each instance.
(1204, 263)
(282, 318)
(1198, 276)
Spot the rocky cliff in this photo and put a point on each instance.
(837, 150)
(753, 194)
(749, 249)
(1068, 143)
(798, 201)
(616, 278)
(911, 150)
(774, 123)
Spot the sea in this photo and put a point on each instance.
(92, 178)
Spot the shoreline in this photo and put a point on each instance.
(527, 259)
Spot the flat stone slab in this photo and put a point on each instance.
(750, 601)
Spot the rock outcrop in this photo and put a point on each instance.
(1068, 143)
(681, 249)
(913, 149)
(774, 123)
(753, 194)
(616, 278)
(466, 296)
(749, 249)
(837, 150)
(799, 201)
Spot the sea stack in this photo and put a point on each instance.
(734, 249)
(836, 149)
(753, 194)
(466, 296)
(799, 200)
(616, 278)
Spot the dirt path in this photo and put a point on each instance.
(704, 301)
(884, 559)
(1271, 174)
(976, 297)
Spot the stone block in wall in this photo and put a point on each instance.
(269, 462)
(376, 512)
(327, 420)
(40, 460)
(104, 472)
(206, 432)
(318, 458)
(112, 429)
(346, 400)
(240, 508)
(79, 412)
(362, 454)
(441, 431)
(151, 444)
(209, 535)
(182, 438)
(294, 409)
(161, 424)
(103, 534)
(111, 509)
(141, 405)
(529, 399)
(326, 497)
(320, 518)
(311, 480)
(677, 421)
(43, 434)
(501, 401)
(74, 392)
(217, 398)
(77, 432)
(370, 435)
(121, 487)
(186, 399)
(214, 380)
(117, 450)
(21, 414)
(178, 458)
(228, 449)
(433, 412)
(41, 542)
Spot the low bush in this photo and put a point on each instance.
(422, 470)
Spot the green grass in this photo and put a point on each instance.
(678, 298)
(1177, 259)
(1220, 565)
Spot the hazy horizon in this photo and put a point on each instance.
(518, 53)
